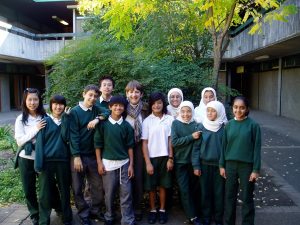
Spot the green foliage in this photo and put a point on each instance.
(11, 187)
(7, 140)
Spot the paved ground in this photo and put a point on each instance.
(277, 195)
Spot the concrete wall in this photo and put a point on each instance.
(290, 97)
(254, 90)
(5, 101)
(275, 32)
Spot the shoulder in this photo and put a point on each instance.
(19, 117)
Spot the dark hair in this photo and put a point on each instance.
(91, 87)
(121, 100)
(59, 99)
(40, 109)
(134, 84)
(245, 100)
(155, 96)
(107, 77)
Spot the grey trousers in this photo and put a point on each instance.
(90, 172)
(113, 180)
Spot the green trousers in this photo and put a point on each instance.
(29, 178)
(212, 193)
(186, 182)
(238, 174)
(54, 173)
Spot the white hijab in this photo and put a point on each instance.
(200, 111)
(173, 111)
(186, 104)
(215, 125)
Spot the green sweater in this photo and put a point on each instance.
(51, 143)
(114, 140)
(81, 138)
(182, 140)
(242, 142)
(208, 148)
(103, 104)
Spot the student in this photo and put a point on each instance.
(205, 159)
(83, 161)
(106, 87)
(240, 162)
(137, 111)
(184, 133)
(158, 155)
(175, 97)
(27, 125)
(208, 94)
(52, 161)
(114, 141)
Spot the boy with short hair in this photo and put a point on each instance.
(114, 143)
(83, 161)
(137, 111)
(106, 87)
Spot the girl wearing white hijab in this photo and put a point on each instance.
(183, 135)
(208, 94)
(175, 97)
(205, 159)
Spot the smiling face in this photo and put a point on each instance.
(186, 113)
(208, 97)
(175, 99)
(211, 113)
(116, 110)
(106, 87)
(32, 102)
(134, 96)
(89, 98)
(57, 109)
(157, 108)
(240, 110)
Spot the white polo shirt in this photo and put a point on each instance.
(157, 130)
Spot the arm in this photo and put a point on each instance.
(222, 156)
(65, 127)
(39, 151)
(176, 139)
(21, 136)
(101, 168)
(170, 162)
(196, 157)
(149, 166)
(130, 168)
(257, 153)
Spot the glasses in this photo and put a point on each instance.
(31, 90)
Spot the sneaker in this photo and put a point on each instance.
(99, 217)
(162, 217)
(108, 222)
(195, 221)
(152, 216)
(85, 221)
(35, 221)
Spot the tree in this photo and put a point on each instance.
(216, 16)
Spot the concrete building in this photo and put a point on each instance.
(30, 32)
(266, 67)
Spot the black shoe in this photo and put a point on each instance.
(206, 222)
(162, 217)
(138, 216)
(108, 222)
(68, 223)
(99, 217)
(152, 216)
(35, 221)
(85, 221)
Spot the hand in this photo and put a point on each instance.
(223, 172)
(92, 124)
(253, 176)
(67, 110)
(197, 173)
(41, 124)
(78, 164)
(101, 169)
(130, 172)
(101, 117)
(196, 135)
(149, 169)
(170, 164)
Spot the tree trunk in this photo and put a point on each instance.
(217, 62)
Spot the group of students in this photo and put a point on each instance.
(111, 143)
